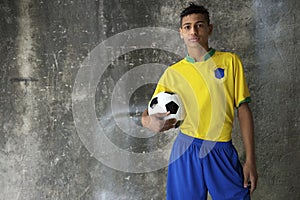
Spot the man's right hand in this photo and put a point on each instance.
(156, 122)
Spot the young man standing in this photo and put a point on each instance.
(211, 85)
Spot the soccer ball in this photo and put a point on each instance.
(167, 101)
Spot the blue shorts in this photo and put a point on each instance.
(197, 166)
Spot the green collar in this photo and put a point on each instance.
(205, 58)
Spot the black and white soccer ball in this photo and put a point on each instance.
(167, 101)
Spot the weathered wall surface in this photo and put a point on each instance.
(43, 155)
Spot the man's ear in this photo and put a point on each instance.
(180, 32)
(210, 29)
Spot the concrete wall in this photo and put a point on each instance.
(48, 152)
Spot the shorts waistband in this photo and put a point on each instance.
(183, 137)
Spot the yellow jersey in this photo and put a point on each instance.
(210, 90)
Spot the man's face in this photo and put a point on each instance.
(195, 30)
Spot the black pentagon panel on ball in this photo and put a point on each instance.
(172, 107)
(153, 102)
(170, 93)
(178, 123)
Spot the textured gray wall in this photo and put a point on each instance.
(41, 153)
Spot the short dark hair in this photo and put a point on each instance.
(193, 9)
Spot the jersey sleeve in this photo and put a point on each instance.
(241, 90)
(162, 85)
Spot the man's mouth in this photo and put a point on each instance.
(194, 39)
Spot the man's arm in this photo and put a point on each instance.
(246, 125)
(156, 122)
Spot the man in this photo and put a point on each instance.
(211, 85)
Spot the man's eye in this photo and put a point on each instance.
(199, 25)
(187, 27)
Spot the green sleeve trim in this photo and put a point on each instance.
(247, 100)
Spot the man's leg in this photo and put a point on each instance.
(185, 178)
(224, 173)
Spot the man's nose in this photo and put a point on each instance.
(193, 30)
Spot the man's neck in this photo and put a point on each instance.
(198, 53)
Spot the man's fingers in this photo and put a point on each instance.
(250, 183)
(253, 181)
(246, 182)
(168, 124)
(161, 116)
(171, 121)
(159, 124)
